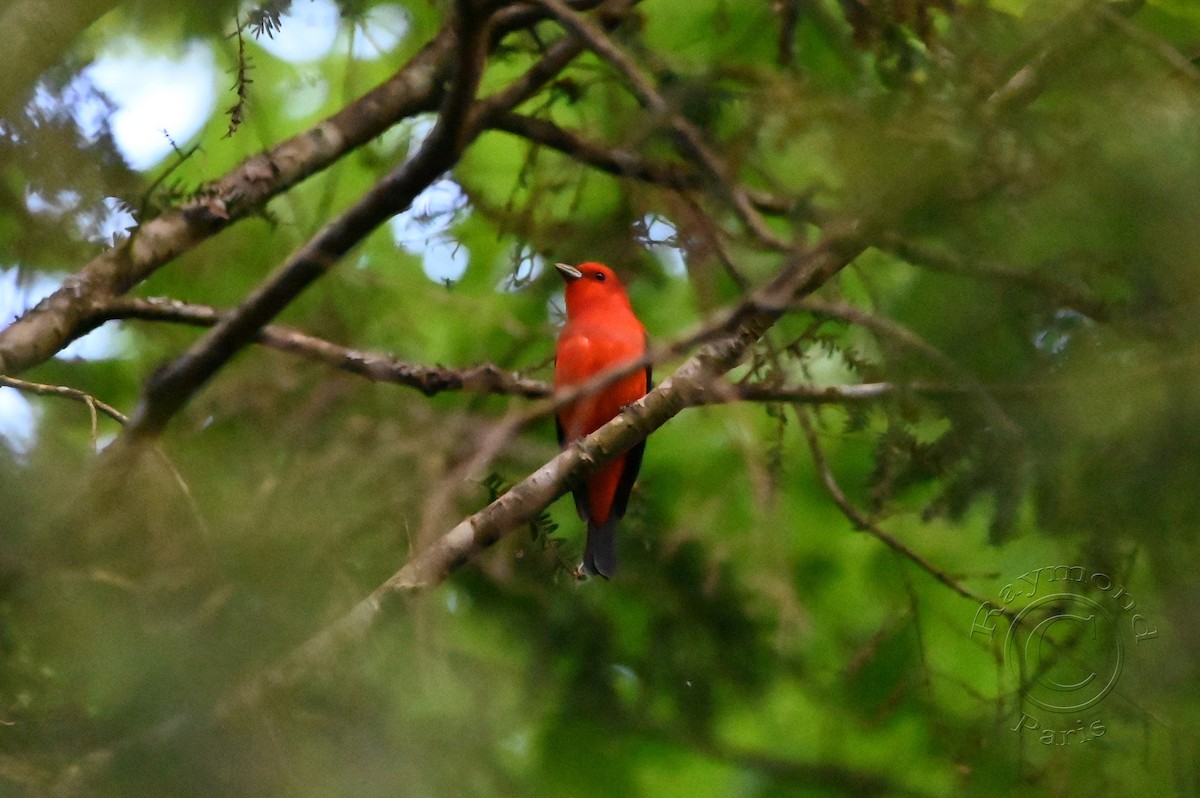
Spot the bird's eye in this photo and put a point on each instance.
(599, 277)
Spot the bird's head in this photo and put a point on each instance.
(591, 285)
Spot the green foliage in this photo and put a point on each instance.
(1038, 259)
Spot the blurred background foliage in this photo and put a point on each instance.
(754, 643)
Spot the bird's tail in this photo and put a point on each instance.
(600, 551)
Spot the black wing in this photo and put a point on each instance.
(580, 493)
(633, 464)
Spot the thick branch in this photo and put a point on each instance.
(48, 327)
(459, 122)
(171, 387)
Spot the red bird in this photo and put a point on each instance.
(601, 332)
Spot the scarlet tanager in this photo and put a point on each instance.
(601, 332)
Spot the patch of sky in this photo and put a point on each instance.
(556, 308)
(18, 421)
(105, 223)
(308, 32)
(419, 129)
(311, 31)
(305, 95)
(156, 98)
(657, 234)
(378, 32)
(527, 266)
(1057, 334)
(86, 104)
(424, 229)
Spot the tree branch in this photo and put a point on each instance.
(687, 386)
(171, 387)
(490, 378)
(459, 122)
(375, 366)
(48, 327)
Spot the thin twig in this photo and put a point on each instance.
(625, 163)
(865, 524)
(95, 406)
(74, 394)
(374, 366)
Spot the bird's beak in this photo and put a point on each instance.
(568, 272)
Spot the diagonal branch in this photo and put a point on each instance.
(433, 564)
(172, 386)
(805, 272)
(48, 327)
